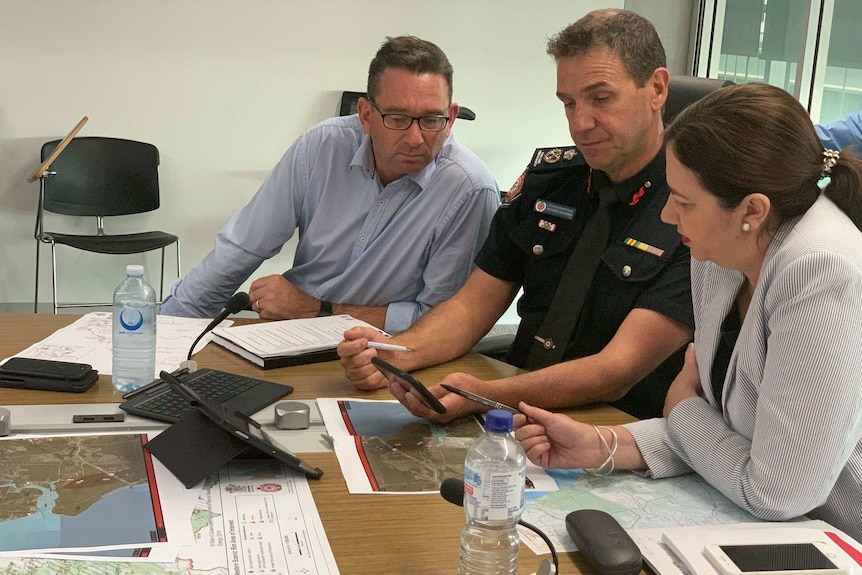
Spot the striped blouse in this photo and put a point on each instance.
(785, 439)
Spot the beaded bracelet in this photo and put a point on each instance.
(607, 467)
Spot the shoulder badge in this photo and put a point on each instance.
(515, 190)
(553, 158)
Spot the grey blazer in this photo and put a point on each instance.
(785, 441)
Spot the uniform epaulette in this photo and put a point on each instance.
(555, 158)
(545, 160)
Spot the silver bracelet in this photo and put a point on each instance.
(607, 466)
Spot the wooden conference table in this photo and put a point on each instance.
(401, 534)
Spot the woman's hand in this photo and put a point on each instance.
(554, 440)
(686, 384)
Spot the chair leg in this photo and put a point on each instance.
(162, 279)
(36, 297)
(54, 274)
(178, 259)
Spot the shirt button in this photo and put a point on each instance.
(381, 202)
(627, 271)
(538, 250)
(361, 240)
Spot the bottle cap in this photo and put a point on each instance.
(499, 421)
(134, 270)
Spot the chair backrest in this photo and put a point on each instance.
(685, 90)
(102, 177)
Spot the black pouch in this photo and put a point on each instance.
(47, 375)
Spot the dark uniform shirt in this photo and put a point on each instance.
(644, 265)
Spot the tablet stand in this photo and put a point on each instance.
(194, 447)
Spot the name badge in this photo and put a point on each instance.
(554, 209)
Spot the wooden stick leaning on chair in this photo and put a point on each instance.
(57, 151)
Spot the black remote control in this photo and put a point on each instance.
(604, 543)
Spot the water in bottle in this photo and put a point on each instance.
(134, 335)
(494, 475)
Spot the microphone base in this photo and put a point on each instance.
(189, 364)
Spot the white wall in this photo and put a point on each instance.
(223, 87)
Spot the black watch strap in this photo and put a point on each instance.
(325, 309)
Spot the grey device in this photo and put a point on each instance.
(604, 543)
(5, 421)
(291, 415)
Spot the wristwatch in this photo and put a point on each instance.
(325, 309)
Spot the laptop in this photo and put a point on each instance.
(235, 392)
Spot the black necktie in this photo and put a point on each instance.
(550, 342)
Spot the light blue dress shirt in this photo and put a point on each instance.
(842, 133)
(409, 244)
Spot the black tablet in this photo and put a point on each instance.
(240, 426)
(409, 383)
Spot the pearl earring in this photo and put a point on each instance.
(746, 227)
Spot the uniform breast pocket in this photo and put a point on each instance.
(542, 237)
(631, 265)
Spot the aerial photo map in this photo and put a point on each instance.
(77, 491)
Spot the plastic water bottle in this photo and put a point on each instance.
(494, 475)
(134, 335)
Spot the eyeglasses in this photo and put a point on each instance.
(403, 121)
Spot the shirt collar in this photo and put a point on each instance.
(630, 191)
(364, 158)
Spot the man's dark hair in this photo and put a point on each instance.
(412, 54)
(630, 37)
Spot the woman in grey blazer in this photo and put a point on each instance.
(769, 409)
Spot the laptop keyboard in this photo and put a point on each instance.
(217, 386)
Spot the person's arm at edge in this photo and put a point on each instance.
(841, 133)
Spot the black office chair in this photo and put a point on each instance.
(685, 90)
(100, 177)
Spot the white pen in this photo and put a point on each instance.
(388, 346)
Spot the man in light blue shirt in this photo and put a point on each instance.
(842, 133)
(390, 208)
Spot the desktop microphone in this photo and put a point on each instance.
(238, 302)
(452, 490)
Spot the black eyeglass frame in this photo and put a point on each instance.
(417, 119)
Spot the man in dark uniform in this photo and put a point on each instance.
(607, 305)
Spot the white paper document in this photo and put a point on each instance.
(249, 517)
(258, 517)
(383, 448)
(88, 340)
(290, 336)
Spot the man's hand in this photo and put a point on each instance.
(686, 384)
(355, 357)
(273, 297)
(455, 405)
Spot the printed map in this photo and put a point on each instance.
(75, 492)
(405, 453)
(636, 502)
